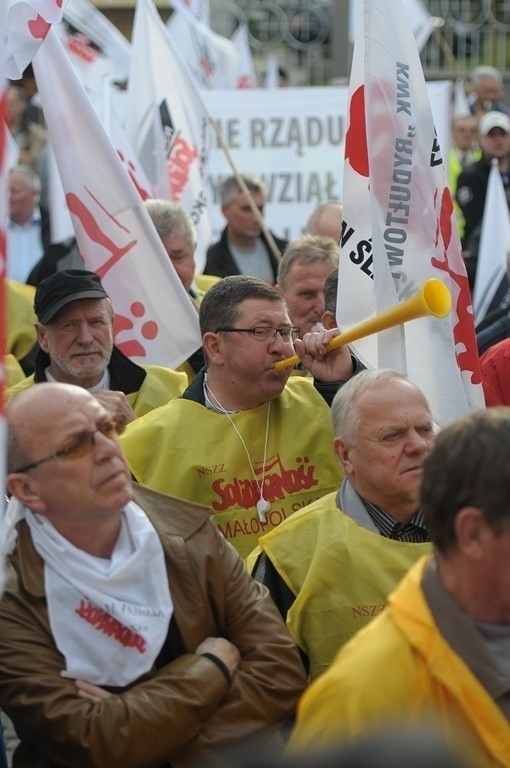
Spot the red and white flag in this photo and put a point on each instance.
(3, 257)
(27, 25)
(93, 39)
(399, 224)
(491, 265)
(247, 77)
(199, 8)
(162, 92)
(155, 320)
(212, 58)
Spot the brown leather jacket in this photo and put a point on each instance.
(177, 713)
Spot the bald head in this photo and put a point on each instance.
(35, 411)
(326, 220)
(66, 463)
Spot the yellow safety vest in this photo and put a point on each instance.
(186, 450)
(340, 572)
(21, 335)
(159, 386)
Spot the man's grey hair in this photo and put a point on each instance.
(345, 407)
(33, 180)
(171, 219)
(308, 249)
(484, 72)
(230, 186)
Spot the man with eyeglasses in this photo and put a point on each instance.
(244, 438)
(131, 634)
(75, 336)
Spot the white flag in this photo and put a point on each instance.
(399, 228)
(212, 58)
(460, 101)
(199, 8)
(26, 27)
(272, 73)
(491, 269)
(246, 77)
(155, 320)
(86, 24)
(162, 87)
(415, 10)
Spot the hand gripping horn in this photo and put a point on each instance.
(433, 298)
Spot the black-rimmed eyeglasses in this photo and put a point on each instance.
(80, 445)
(265, 332)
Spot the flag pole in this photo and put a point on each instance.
(265, 229)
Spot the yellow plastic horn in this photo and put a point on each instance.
(433, 298)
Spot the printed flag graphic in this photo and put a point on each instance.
(399, 228)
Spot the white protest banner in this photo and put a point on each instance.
(155, 320)
(399, 225)
(160, 80)
(491, 265)
(294, 139)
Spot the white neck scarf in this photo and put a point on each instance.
(109, 618)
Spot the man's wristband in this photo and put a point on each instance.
(221, 666)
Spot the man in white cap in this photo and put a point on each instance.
(494, 140)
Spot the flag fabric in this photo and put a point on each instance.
(491, 268)
(27, 25)
(212, 58)
(155, 320)
(162, 91)
(199, 8)
(272, 74)
(416, 12)
(460, 100)
(246, 77)
(3, 257)
(94, 40)
(399, 225)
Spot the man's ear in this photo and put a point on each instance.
(40, 330)
(343, 451)
(329, 320)
(472, 532)
(26, 490)
(212, 344)
(224, 209)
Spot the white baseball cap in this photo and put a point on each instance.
(494, 120)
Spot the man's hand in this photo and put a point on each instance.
(323, 365)
(90, 691)
(223, 649)
(116, 403)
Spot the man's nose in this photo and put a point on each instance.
(85, 335)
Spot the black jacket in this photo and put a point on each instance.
(221, 263)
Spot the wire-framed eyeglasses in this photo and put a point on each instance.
(79, 445)
(265, 332)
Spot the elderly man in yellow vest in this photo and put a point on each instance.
(331, 566)
(440, 649)
(75, 335)
(244, 438)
